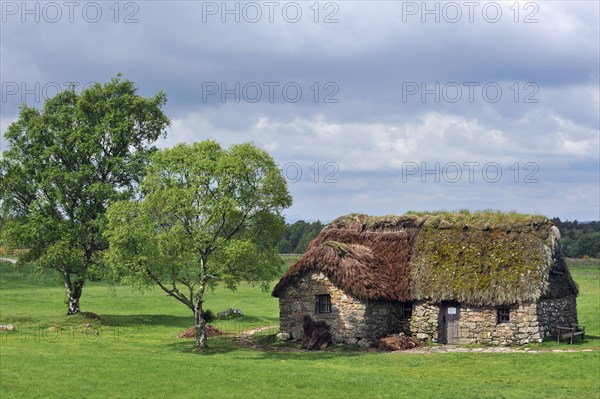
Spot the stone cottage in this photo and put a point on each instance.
(455, 278)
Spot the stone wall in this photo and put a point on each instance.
(351, 320)
(479, 325)
(556, 312)
(424, 323)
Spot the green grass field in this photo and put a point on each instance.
(135, 352)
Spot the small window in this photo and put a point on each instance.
(503, 315)
(323, 304)
(406, 310)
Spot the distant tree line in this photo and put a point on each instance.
(579, 239)
(298, 235)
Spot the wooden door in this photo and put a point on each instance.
(449, 318)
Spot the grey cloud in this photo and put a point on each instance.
(371, 54)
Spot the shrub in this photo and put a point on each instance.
(208, 315)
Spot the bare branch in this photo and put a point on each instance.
(173, 292)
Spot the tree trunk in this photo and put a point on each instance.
(201, 343)
(200, 326)
(74, 290)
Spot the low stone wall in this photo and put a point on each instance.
(351, 320)
(556, 312)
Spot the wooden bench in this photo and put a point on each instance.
(569, 332)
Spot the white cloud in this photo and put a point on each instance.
(383, 146)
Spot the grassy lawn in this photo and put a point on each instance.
(133, 352)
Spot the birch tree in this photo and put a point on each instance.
(208, 216)
(65, 164)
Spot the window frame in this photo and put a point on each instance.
(406, 307)
(323, 304)
(503, 315)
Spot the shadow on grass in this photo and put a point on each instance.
(130, 320)
(229, 325)
(216, 346)
(17, 319)
(587, 340)
(227, 345)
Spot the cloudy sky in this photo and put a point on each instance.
(377, 107)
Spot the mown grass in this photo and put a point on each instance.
(133, 352)
(586, 272)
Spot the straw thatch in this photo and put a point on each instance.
(485, 258)
(370, 265)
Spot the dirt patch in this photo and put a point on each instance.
(191, 332)
(399, 343)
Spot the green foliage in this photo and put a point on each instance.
(579, 239)
(208, 215)
(298, 235)
(65, 164)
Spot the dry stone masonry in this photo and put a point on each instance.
(351, 321)
(354, 321)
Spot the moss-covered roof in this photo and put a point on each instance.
(443, 220)
(480, 258)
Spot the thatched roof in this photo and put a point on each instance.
(484, 258)
(371, 265)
